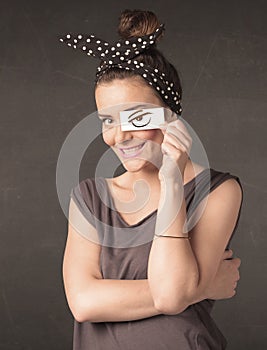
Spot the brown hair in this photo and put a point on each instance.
(133, 23)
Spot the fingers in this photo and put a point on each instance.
(163, 127)
(173, 140)
(237, 262)
(233, 263)
(178, 126)
(174, 127)
(227, 254)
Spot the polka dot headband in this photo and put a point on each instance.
(122, 54)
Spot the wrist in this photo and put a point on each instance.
(182, 235)
(171, 178)
(208, 293)
(199, 296)
(171, 184)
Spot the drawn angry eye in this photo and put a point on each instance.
(140, 120)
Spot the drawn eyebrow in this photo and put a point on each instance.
(131, 115)
(141, 115)
(127, 109)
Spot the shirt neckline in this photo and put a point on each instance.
(148, 217)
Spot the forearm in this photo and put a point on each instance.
(172, 268)
(109, 300)
(120, 300)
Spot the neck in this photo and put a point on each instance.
(148, 174)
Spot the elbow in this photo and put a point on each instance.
(175, 303)
(80, 311)
(78, 317)
(78, 314)
(169, 307)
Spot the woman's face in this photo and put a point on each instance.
(109, 97)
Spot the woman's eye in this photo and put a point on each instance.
(103, 120)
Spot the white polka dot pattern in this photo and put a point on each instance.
(121, 53)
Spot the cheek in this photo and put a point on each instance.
(154, 134)
(108, 137)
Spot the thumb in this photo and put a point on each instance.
(163, 127)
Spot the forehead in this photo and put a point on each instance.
(125, 91)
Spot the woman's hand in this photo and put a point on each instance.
(176, 147)
(224, 284)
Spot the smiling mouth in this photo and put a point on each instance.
(132, 150)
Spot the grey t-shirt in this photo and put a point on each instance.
(124, 255)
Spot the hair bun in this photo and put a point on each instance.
(134, 23)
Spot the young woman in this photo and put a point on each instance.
(159, 294)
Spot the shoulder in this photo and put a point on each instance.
(222, 209)
(85, 192)
(225, 183)
(229, 191)
(87, 185)
(217, 191)
(225, 196)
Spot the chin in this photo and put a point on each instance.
(150, 160)
(134, 165)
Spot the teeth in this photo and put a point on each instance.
(131, 150)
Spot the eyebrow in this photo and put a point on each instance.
(127, 109)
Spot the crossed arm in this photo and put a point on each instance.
(180, 270)
(92, 298)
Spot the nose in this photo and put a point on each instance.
(121, 137)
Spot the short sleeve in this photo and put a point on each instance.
(81, 217)
(206, 186)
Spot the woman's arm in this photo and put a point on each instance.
(92, 298)
(180, 270)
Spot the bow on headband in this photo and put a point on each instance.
(121, 54)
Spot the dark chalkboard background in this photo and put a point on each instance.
(219, 48)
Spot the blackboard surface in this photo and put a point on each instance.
(219, 48)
